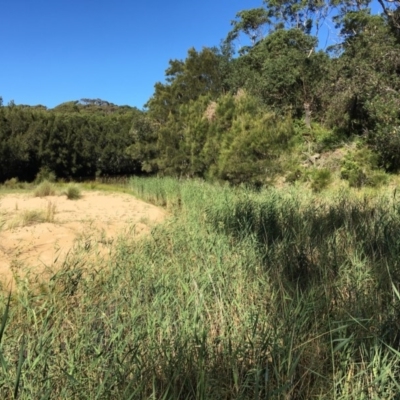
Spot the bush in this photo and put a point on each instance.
(360, 168)
(294, 176)
(326, 139)
(73, 192)
(321, 178)
(353, 172)
(377, 178)
(45, 174)
(387, 144)
(251, 149)
(46, 188)
(323, 139)
(13, 183)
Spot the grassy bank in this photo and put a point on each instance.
(239, 295)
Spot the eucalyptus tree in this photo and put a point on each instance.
(311, 15)
(201, 73)
(284, 71)
(364, 86)
(250, 22)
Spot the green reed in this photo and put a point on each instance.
(238, 295)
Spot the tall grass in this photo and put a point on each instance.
(33, 217)
(45, 188)
(239, 295)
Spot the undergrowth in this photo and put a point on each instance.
(45, 188)
(73, 192)
(33, 217)
(279, 294)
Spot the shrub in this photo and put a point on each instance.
(387, 145)
(46, 188)
(13, 183)
(377, 178)
(321, 178)
(251, 149)
(45, 174)
(73, 192)
(323, 139)
(360, 168)
(353, 172)
(326, 139)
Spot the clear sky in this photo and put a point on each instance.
(54, 51)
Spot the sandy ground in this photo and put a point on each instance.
(98, 218)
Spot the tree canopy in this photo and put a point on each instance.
(227, 115)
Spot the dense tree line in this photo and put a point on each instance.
(72, 140)
(232, 115)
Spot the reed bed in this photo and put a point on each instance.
(239, 295)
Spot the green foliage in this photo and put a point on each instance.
(363, 89)
(143, 149)
(252, 146)
(353, 172)
(250, 22)
(325, 268)
(93, 107)
(294, 175)
(201, 73)
(360, 168)
(320, 179)
(73, 192)
(313, 14)
(17, 143)
(308, 243)
(297, 14)
(234, 138)
(14, 183)
(377, 178)
(386, 142)
(326, 139)
(45, 174)
(44, 189)
(241, 295)
(285, 71)
(35, 141)
(227, 116)
(318, 136)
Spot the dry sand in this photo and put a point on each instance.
(98, 218)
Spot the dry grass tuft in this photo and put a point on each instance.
(73, 192)
(33, 217)
(46, 188)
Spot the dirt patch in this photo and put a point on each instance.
(39, 232)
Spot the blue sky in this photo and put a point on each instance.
(57, 51)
